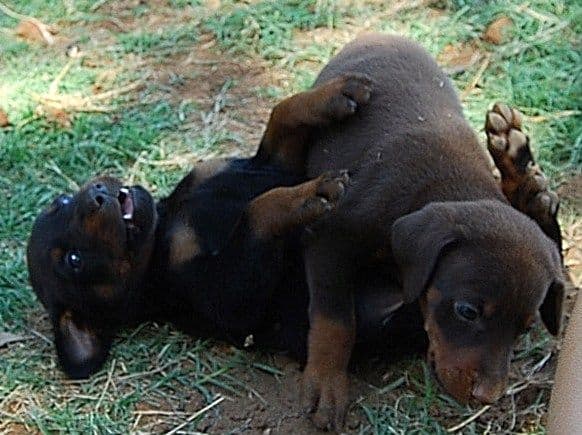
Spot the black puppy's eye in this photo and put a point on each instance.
(74, 260)
(65, 199)
(466, 311)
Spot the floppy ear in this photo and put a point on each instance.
(418, 240)
(81, 350)
(551, 308)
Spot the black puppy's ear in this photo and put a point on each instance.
(418, 240)
(81, 350)
(551, 308)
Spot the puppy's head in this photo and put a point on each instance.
(483, 272)
(86, 256)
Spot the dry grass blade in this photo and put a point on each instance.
(195, 415)
(477, 77)
(469, 420)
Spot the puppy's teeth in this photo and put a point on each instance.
(124, 190)
(127, 216)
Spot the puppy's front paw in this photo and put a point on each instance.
(522, 180)
(325, 398)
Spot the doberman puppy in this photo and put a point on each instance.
(221, 255)
(425, 217)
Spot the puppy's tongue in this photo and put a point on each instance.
(126, 203)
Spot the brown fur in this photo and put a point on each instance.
(276, 211)
(286, 143)
(422, 191)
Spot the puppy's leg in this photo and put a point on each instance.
(284, 208)
(81, 350)
(292, 121)
(522, 180)
(330, 275)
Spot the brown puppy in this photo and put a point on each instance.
(425, 209)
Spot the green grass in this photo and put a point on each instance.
(153, 135)
(267, 27)
(144, 42)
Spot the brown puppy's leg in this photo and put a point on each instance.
(293, 120)
(330, 275)
(522, 180)
(282, 208)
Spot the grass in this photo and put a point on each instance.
(198, 100)
(267, 27)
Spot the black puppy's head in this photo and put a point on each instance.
(86, 257)
(483, 272)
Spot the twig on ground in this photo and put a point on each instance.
(195, 415)
(41, 336)
(469, 420)
(477, 77)
(107, 383)
(74, 103)
(13, 14)
(54, 86)
(556, 115)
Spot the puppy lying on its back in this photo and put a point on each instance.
(220, 255)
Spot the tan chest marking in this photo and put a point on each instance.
(184, 245)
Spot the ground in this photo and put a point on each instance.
(153, 85)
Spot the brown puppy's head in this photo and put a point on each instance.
(86, 256)
(482, 271)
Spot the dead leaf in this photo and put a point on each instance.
(4, 121)
(33, 30)
(457, 58)
(7, 337)
(59, 117)
(497, 30)
(55, 115)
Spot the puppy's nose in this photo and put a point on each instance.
(488, 393)
(98, 193)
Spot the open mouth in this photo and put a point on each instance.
(126, 203)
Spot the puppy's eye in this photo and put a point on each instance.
(65, 199)
(62, 200)
(466, 311)
(74, 261)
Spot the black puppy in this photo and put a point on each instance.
(219, 256)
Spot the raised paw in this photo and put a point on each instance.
(325, 398)
(522, 180)
(329, 188)
(343, 96)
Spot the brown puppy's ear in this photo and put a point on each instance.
(81, 350)
(418, 240)
(551, 308)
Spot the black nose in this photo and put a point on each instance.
(98, 193)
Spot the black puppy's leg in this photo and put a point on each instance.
(292, 121)
(522, 180)
(82, 350)
(283, 208)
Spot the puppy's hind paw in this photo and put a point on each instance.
(522, 180)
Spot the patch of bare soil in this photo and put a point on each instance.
(273, 404)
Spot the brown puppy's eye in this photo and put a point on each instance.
(74, 260)
(466, 311)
